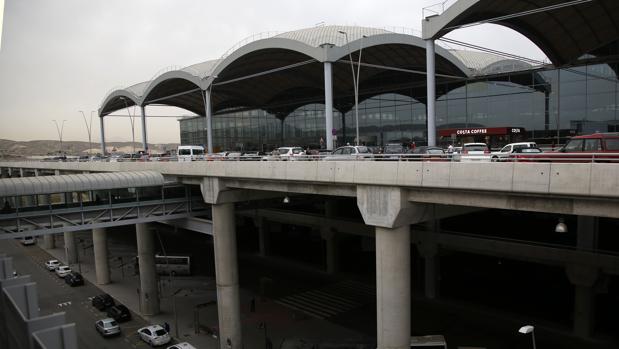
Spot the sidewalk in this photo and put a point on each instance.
(281, 322)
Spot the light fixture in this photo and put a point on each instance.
(561, 226)
(528, 329)
(286, 199)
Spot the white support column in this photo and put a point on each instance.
(431, 94)
(144, 138)
(226, 273)
(393, 287)
(208, 113)
(328, 105)
(102, 268)
(149, 295)
(70, 247)
(102, 128)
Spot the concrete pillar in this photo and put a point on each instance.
(431, 92)
(587, 234)
(226, 272)
(583, 278)
(102, 128)
(428, 249)
(102, 268)
(331, 249)
(208, 114)
(393, 287)
(264, 238)
(70, 247)
(328, 105)
(144, 138)
(149, 295)
(49, 242)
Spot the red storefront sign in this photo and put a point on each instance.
(480, 131)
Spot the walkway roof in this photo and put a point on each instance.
(78, 183)
(564, 34)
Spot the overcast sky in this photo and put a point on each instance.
(58, 57)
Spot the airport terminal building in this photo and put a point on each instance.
(493, 97)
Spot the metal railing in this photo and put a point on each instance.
(436, 9)
(589, 157)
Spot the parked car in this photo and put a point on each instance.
(107, 327)
(63, 271)
(102, 302)
(508, 149)
(350, 152)
(74, 279)
(290, 153)
(525, 154)
(427, 153)
(183, 345)
(190, 153)
(28, 240)
(154, 335)
(52, 264)
(473, 152)
(119, 313)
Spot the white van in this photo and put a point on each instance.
(190, 152)
(28, 240)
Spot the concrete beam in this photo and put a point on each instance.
(585, 206)
(388, 207)
(523, 251)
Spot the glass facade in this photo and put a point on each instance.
(549, 104)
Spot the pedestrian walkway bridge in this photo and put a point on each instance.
(56, 204)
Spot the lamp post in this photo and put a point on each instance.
(528, 329)
(89, 129)
(132, 124)
(60, 130)
(355, 79)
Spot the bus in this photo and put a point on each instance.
(173, 265)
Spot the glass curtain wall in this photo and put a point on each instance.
(550, 104)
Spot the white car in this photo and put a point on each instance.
(52, 264)
(474, 152)
(28, 240)
(183, 345)
(505, 152)
(107, 327)
(154, 335)
(350, 152)
(62, 271)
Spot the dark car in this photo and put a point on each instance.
(102, 302)
(119, 313)
(74, 279)
(427, 153)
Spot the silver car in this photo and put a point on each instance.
(350, 152)
(154, 335)
(107, 327)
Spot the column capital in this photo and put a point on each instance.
(388, 207)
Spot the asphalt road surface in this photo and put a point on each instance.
(56, 296)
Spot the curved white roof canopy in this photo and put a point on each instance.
(564, 34)
(78, 183)
(281, 91)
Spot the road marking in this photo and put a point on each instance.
(65, 304)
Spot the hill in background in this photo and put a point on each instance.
(10, 148)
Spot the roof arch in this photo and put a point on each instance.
(563, 33)
(121, 98)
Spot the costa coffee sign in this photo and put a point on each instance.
(489, 131)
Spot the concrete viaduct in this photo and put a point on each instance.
(391, 195)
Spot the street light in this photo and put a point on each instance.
(89, 129)
(132, 123)
(561, 226)
(59, 130)
(528, 329)
(355, 78)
